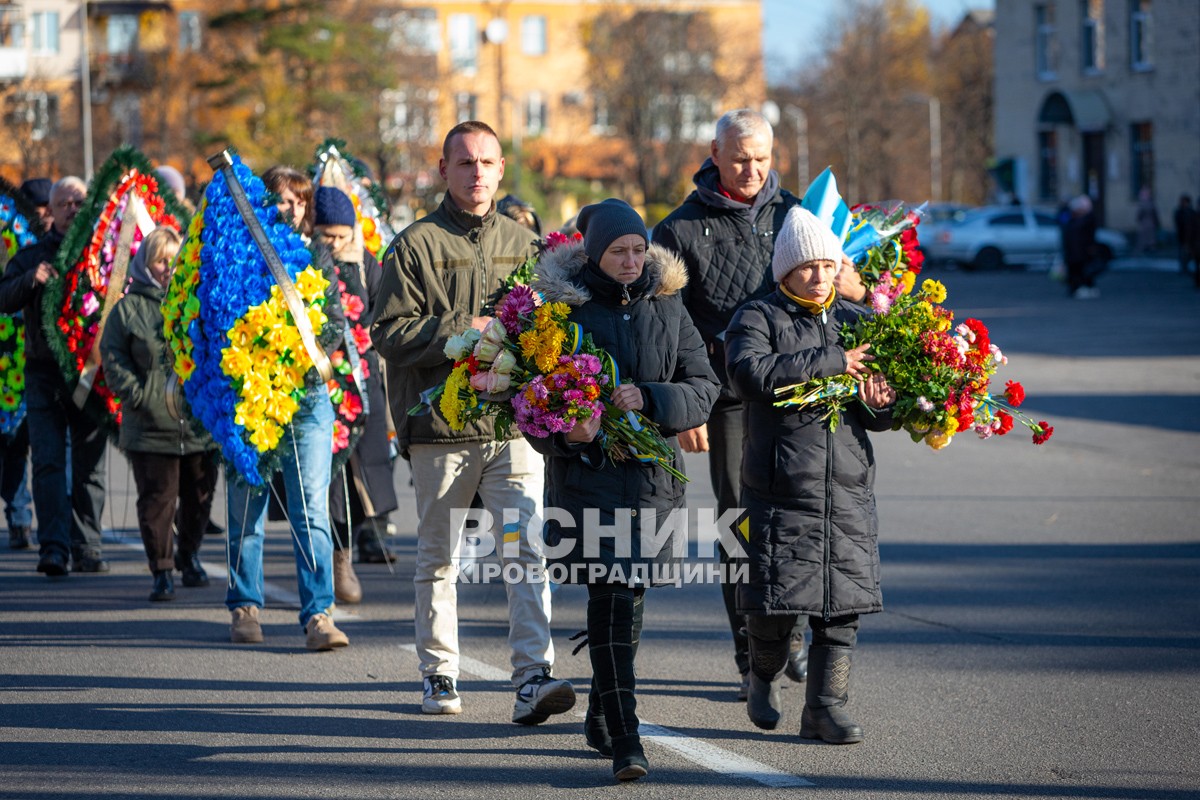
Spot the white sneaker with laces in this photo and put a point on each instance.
(541, 696)
(441, 696)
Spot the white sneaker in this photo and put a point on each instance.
(441, 697)
(541, 696)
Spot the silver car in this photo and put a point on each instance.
(995, 236)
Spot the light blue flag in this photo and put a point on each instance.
(823, 200)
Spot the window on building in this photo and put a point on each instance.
(535, 113)
(1091, 43)
(412, 118)
(411, 30)
(121, 34)
(465, 107)
(189, 32)
(464, 42)
(601, 117)
(1046, 41)
(45, 31)
(533, 35)
(37, 112)
(1141, 157)
(12, 31)
(1048, 166)
(1141, 35)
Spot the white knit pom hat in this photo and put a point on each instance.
(803, 238)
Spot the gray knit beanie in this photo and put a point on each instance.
(803, 238)
(603, 223)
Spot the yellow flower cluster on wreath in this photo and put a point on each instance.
(457, 397)
(544, 343)
(266, 360)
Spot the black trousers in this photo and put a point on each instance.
(726, 430)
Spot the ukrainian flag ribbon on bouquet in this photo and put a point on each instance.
(124, 204)
(334, 167)
(880, 238)
(238, 352)
(532, 367)
(941, 373)
(20, 227)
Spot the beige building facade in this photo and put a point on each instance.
(1099, 97)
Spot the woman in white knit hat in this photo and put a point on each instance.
(808, 490)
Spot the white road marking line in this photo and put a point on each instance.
(694, 750)
(272, 592)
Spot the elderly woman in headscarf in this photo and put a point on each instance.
(172, 459)
(624, 292)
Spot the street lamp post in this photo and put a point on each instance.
(85, 91)
(800, 122)
(935, 149)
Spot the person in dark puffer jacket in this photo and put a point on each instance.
(626, 296)
(808, 489)
(172, 459)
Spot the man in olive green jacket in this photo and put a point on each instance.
(442, 275)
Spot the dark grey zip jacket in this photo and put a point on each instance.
(727, 247)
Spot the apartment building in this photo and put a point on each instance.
(1099, 97)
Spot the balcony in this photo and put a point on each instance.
(14, 63)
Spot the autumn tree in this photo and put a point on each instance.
(963, 81)
(656, 75)
(285, 76)
(867, 104)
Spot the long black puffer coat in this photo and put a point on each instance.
(654, 344)
(809, 492)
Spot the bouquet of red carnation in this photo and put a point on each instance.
(941, 373)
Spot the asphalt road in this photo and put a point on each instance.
(1041, 637)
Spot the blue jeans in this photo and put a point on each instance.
(14, 488)
(71, 528)
(307, 455)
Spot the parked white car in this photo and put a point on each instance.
(995, 236)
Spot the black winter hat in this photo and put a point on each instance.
(332, 207)
(37, 190)
(603, 223)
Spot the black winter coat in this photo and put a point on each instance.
(655, 345)
(727, 247)
(809, 492)
(20, 292)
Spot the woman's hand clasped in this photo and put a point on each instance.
(585, 430)
(627, 397)
(876, 392)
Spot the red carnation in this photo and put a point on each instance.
(1006, 422)
(1042, 432)
(1014, 393)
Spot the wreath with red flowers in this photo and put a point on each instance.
(75, 305)
(349, 405)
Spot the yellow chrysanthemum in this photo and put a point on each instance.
(451, 403)
(906, 282)
(933, 291)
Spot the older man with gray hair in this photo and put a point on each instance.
(68, 517)
(725, 232)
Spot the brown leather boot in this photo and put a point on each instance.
(346, 588)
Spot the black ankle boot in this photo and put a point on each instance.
(826, 693)
(595, 731)
(797, 663)
(629, 760)
(193, 571)
(164, 586)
